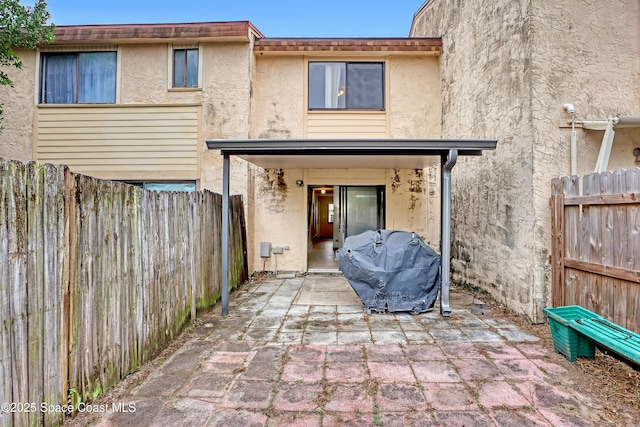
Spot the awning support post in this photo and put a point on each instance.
(225, 234)
(447, 163)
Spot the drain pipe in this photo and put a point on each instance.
(571, 110)
(448, 162)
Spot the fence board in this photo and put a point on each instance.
(6, 384)
(53, 286)
(601, 231)
(17, 243)
(113, 273)
(34, 187)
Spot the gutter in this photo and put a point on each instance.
(445, 232)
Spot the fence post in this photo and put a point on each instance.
(557, 249)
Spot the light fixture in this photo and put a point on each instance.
(636, 152)
(323, 191)
(300, 183)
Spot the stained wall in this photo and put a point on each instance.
(507, 68)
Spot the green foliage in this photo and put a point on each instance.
(21, 27)
(73, 398)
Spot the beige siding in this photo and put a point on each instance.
(344, 124)
(121, 142)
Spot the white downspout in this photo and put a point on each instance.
(574, 148)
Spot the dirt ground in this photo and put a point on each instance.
(607, 379)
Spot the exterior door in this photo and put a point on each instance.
(358, 208)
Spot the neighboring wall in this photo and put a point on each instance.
(221, 109)
(486, 92)
(507, 69)
(148, 146)
(18, 105)
(586, 54)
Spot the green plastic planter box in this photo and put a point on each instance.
(566, 340)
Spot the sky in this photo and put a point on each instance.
(274, 18)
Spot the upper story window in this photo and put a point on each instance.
(78, 78)
(346, 86)
(185, 67)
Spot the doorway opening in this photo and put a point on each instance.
(337, 212)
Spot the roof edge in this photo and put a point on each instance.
(160, 32)
(424, 45)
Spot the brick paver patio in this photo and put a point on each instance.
(282, 360)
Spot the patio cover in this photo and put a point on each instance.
(351, 153)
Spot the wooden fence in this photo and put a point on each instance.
(596, 244)
(96, 277)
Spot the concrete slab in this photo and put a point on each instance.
(391, 372)
(450, 397)
(237, 417)
(461, 350)
(401, 397)
(307, 372)
(321, 338)
(351, 398)
(354, 337)
(345, 353)
(388, 337)
(289, 337)
(293, 419)
(419, 337)
(501, 394)
(346, 372)
(424, 352)
(297, 397)
(249, 395)
(435, 371)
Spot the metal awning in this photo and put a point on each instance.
(347, 153)
(351, 153)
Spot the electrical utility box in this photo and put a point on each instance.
(265, 249)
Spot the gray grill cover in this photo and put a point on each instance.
(392, 270)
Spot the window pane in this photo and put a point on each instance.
(327, 85)
(58, 79)
(179, 60)
(192, 68)
(97, 77)
(365, 86)
(170, 186)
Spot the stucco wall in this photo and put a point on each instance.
(507, 69)
(18, 106)
(143, 79)
(278, 102)
(281, 206)
(586, 54)
(414, 97)
(224, 96)
(278, 111)
(486, 92)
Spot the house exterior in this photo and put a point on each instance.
(504, 70)
(137, 103)
(507, 69)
